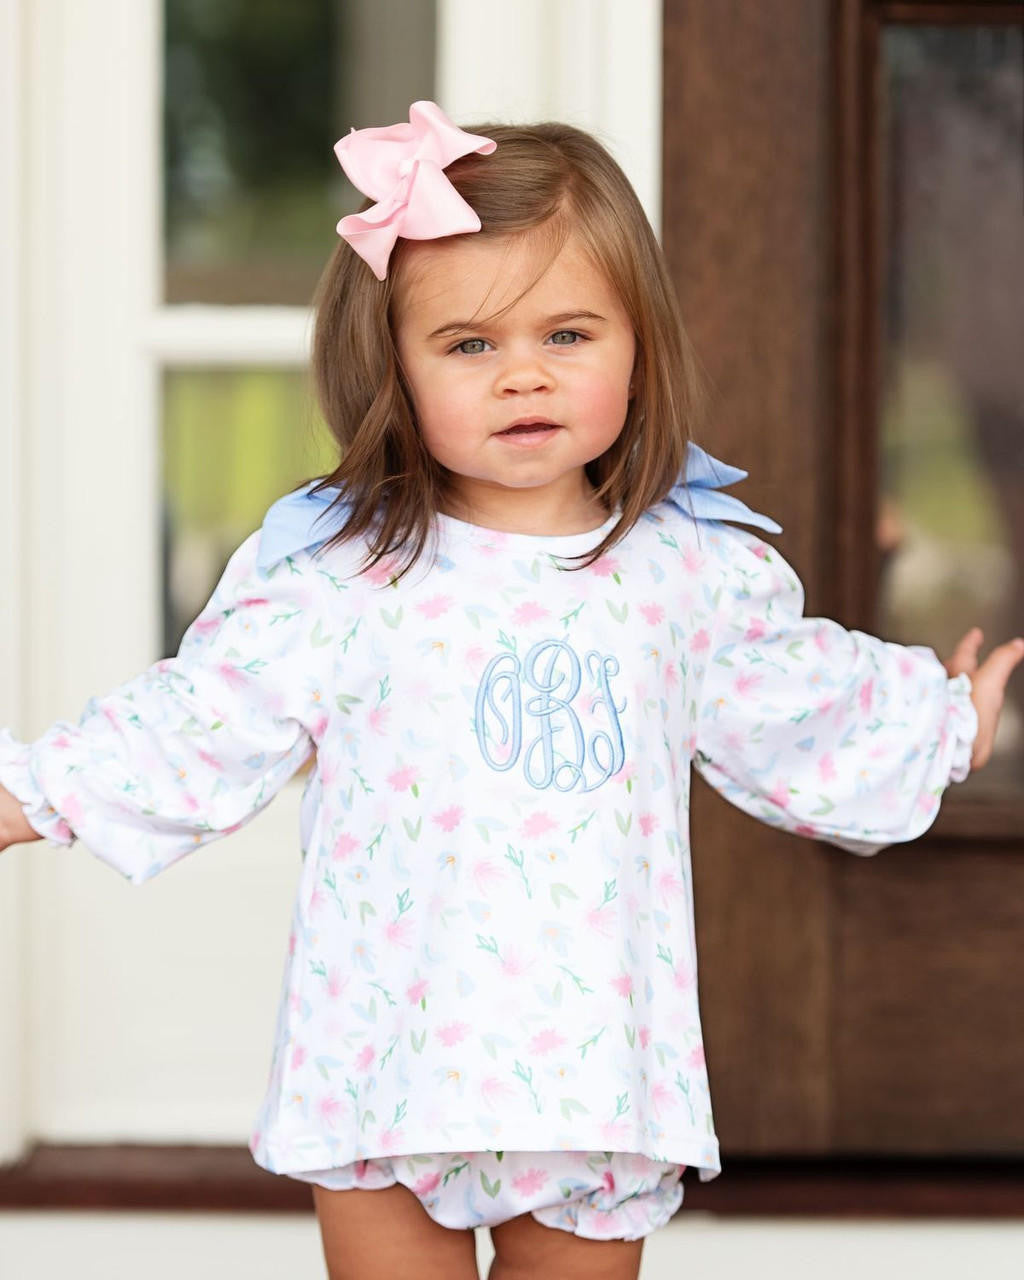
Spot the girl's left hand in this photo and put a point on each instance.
(988, 685)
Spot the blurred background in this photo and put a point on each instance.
(839, 189)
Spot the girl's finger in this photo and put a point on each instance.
(998, 666)
(965, 655)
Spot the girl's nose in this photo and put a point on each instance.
(523, 372)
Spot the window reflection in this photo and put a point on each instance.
(952, 449)
(234, 441)
(256, 93)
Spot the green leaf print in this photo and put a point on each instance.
(630, 1035)
(484, 833)
(411, 830)
(418, 1041)
(620, 615)
(366, 909)
(623, 821)
(368, 1118)
(499, 1156)
(569, 1106)
(492, 1188)
(392, 620)
(559, 891)
(317, 638)
(346, 701)
(826, 807)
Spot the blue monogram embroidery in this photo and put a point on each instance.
(553, 670)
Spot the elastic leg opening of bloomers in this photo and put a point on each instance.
(598, 1195)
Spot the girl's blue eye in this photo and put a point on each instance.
(572, 333)
(466, 344)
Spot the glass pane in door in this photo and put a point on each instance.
(256, 93)
(952, 450)
(234, 440)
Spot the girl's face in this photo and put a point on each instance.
(562, 356)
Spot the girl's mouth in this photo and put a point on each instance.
(527, 431)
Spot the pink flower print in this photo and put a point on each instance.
(336, 984)
(760, 550)
(402, 778)
(624, 985)
(495, 1092)
(452, 1034)
(671, 675)
(329, 1109)
(780, 794)
(696, 1056)
(906, 666)
(654, 613)
(378, 719)
(826, 768)
(426, 1184)
(755, 630)
(670, 885)
(545, 1041)
(821, 638)
(383, 571)
(316, 901)
(365, 1057)
(343, 846)
(514, 963)
(487, 875)
(318, 728)
(448, 819)
(537, 824)
(298, 1057)
(400, 932)
(605, 567)
(648, 823)
(626, 774)
(682, 977)
(645, 1037)
(529, 1181)
(210, 760)
(693, 561)
(662, 1097)
(700, 641)
(746, 684)
(391, 1140)
(608, 1178)
(417, 992)
(803, 829)
(435, 606)
(201, 627)
(476, 657)
(866, 691)
(600, 920)
(612, 1133)
(529, 611)
(232, 676)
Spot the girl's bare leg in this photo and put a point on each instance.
(388, 1235)
(524, 1249)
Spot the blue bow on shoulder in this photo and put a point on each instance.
(290, 524)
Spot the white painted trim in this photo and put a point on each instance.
(592, 63)
(203, 335)
(13, 637)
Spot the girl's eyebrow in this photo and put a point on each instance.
(463, 326)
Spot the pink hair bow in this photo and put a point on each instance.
(401, 167)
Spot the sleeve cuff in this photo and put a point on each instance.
(961, 726)
(17, 778)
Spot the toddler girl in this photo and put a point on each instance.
(505, 624)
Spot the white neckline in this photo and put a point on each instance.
(554, 543)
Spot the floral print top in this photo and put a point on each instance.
(492, 940)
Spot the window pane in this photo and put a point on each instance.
(952, 474)
(256, 93)
(234, 440)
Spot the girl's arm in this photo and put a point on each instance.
(14, 826)
(196, 745)
(828, 733)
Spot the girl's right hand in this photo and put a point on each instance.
(14, 826)
(988, 684)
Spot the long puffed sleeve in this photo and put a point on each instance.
(197, 744)
(829, 733)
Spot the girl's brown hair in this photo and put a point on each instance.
(548, 178)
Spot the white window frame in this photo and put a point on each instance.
(84, 340)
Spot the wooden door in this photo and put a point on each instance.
(851, 1005)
